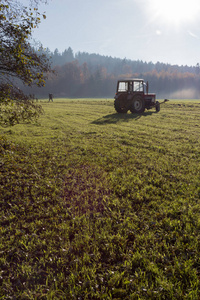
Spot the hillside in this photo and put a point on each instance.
(93, 75)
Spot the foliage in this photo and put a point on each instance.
(19, 62)
(21, 111)
(99, 205)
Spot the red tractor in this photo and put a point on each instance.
(130, 95)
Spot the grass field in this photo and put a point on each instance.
(99, 205)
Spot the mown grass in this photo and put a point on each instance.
(99, 205)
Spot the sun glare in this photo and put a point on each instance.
(176, 12)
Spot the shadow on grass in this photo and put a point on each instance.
(117, 118)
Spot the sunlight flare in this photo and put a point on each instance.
(176, 12)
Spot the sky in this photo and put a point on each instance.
(147, 30)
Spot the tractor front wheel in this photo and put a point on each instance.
(157, 106)
(137, 105)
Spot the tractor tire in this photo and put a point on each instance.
(119, 108)
(157, 106)
(137, 105)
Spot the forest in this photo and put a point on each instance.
(93, 75)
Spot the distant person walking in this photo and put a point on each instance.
(50, 97)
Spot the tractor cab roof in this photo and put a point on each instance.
(131, 79)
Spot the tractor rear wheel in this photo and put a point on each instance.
(137, 105)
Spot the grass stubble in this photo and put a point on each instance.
(99, 205)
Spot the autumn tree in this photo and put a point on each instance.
(19, 61)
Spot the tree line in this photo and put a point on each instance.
(93, 75)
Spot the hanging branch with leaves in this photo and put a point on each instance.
(19, 61)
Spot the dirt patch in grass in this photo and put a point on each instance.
(86, 189)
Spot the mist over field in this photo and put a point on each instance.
(185, 94)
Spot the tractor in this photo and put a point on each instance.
(130, 95)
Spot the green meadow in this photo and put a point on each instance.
(100, 205)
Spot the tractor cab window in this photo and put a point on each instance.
(130, 86)
(123, 86)
(138, 86)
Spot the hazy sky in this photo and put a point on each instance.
(148, 30)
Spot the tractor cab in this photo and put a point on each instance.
(133, 94)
